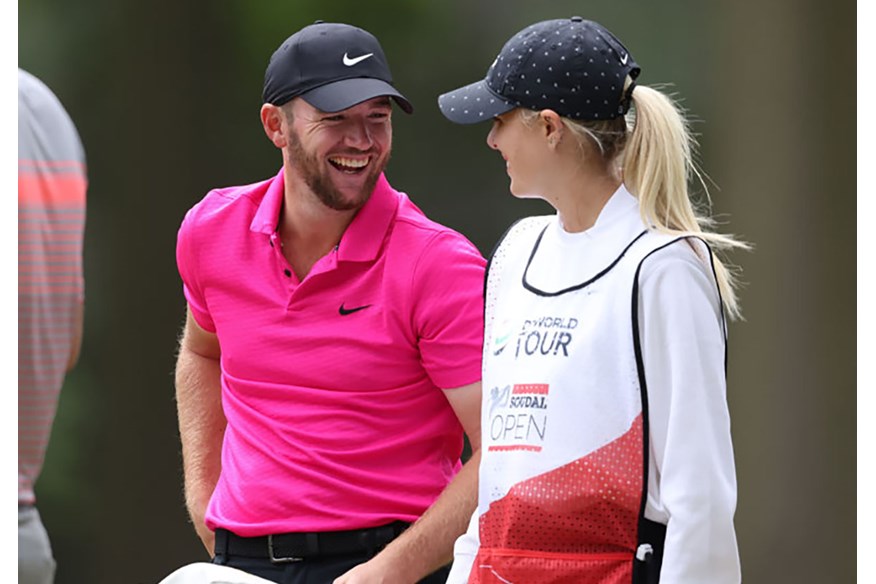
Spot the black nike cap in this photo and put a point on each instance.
(573, 66)
(332, 67)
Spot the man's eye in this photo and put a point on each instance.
(333, 118)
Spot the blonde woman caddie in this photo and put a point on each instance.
(607, 454)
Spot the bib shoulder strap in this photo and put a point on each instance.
(498, 258)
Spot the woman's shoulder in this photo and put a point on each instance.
(680, 263)
(677, 250)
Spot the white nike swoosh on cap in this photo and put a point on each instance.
(624, 59)
(350, 62)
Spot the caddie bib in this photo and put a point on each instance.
(564, 421)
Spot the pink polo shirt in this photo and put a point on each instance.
(331, 385)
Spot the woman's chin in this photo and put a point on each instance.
(521, 194)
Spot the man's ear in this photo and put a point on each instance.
(273, 122)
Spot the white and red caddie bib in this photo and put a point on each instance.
(564, 420)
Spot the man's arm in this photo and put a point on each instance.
(76, 340)
(428, 543)
(201, 420)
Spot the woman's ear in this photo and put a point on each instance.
(272, 122)
(552, 127)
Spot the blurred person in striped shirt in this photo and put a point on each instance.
(52, 183)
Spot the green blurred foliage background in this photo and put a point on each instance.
(166, 95)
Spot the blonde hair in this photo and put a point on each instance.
(655, 148)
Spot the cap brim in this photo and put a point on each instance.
(473, 103)
(343, 94)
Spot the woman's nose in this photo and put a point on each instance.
(491, 139)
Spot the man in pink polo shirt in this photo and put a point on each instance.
(331, 355)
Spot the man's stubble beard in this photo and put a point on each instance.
(318, 180)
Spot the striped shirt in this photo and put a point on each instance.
(51, 222)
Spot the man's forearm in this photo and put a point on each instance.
(428, 544)
(201, 427)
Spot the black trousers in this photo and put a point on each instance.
(319, 570)
(318, 558)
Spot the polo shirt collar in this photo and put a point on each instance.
(364, 236)
(267, 216)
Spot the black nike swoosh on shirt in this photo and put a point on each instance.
(345, 311)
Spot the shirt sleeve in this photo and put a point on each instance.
(692, 482)
(186, 261)
(448, 310)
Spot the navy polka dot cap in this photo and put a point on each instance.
(572, 66)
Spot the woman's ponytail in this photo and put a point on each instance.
(657, 167)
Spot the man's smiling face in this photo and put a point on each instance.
(340, 155)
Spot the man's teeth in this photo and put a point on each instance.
(349, 162)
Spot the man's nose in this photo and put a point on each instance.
(359, 136)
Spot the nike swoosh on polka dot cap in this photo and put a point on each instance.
(573, 66)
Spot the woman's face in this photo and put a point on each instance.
(524, 151)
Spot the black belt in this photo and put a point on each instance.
(295, 547)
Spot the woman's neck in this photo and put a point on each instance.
(580, 199)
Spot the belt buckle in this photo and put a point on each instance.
(283, 560)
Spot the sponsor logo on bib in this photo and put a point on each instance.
(518, 417)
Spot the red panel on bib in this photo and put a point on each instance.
(576, 523)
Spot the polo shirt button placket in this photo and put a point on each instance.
(276, 245)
